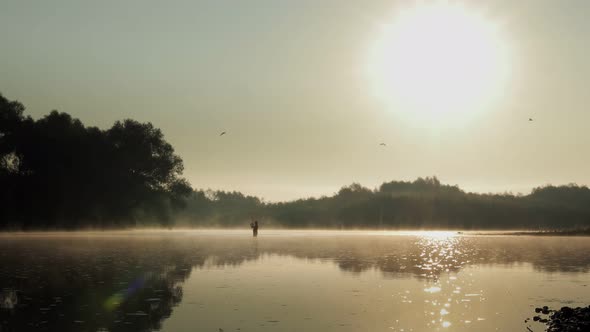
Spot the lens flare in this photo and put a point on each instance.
(115, 300)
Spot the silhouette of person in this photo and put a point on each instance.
(254, 227)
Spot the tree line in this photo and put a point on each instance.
(55, 172)
(422, 203)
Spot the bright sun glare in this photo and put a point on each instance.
(432, 234)
(439, 61)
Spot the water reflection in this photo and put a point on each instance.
(87, 285)
(133, 282)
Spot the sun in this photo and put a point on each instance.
(439, 61)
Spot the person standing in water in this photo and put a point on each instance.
(254, 227)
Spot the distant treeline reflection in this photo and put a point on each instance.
(57, 173)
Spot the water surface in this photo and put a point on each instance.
(286, 281)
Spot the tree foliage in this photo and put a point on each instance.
(55, 172)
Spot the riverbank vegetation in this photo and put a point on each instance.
(57, 173)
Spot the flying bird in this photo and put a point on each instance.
(222, 133)
(530, 119)
(383, 144)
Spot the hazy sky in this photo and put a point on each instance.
(287, 80)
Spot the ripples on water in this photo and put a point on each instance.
(287, 281)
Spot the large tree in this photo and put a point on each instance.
(55, 172)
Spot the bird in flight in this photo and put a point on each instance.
(222, 133)
(383, 144)
(530, 119)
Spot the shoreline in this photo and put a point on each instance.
(580, 232)
(270, 231)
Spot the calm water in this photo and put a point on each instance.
(286, 281)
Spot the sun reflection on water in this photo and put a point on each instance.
(434, 234)
(441, 254)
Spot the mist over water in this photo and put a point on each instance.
(285, 280)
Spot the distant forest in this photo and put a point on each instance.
(423, 203)
(56, 173)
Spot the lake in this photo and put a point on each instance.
(286, 281)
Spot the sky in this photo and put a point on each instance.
(288, 82)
